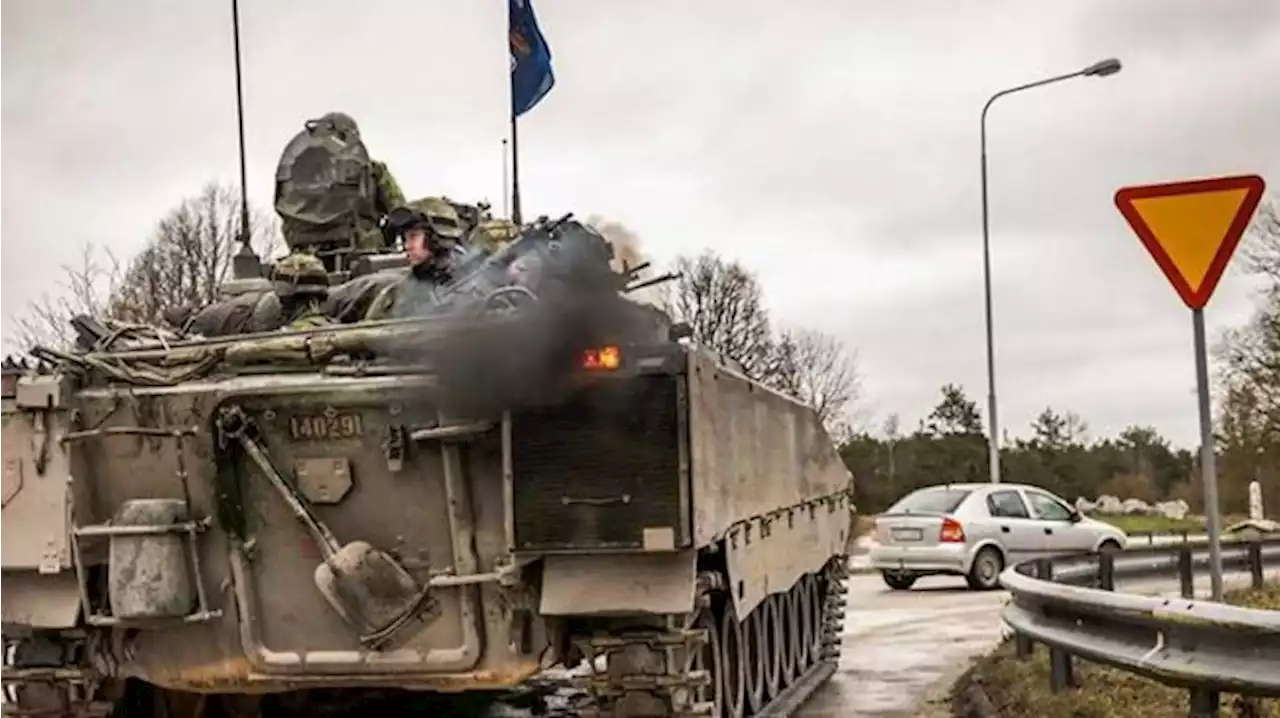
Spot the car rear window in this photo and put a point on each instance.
(929, 501)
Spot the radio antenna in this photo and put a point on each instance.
(245, 264)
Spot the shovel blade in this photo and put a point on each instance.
(368, 588)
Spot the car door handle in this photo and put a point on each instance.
(1048, 530)
(1004, 529)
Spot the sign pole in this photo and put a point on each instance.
(1208, 473)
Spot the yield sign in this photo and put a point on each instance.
(1192, 228)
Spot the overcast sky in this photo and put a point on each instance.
(830, 146)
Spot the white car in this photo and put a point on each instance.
(975, 530)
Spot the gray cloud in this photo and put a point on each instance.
(834, 149)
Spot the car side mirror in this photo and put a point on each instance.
(1075, 517)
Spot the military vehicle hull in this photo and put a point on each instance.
(254, 535)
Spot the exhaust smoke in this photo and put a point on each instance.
(530, 355)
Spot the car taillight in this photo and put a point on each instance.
(603, 358)
(952, 531)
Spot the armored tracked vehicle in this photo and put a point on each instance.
(519, 477)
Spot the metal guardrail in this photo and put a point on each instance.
(1070, 605)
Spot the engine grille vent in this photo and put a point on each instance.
(595, 472)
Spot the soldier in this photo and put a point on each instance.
(330, 194)
(302, 284)
(431, 235)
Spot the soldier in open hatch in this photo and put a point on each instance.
(302, 284)
(431, 233)
(329, 194)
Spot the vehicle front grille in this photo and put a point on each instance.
(600, 469)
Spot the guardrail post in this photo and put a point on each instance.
(1255, 563)
(1205, 704)
(1106, 571)
(1044, 569)
(1185, 577)
(1186, 536)
(1023, 645)
(1062, 674)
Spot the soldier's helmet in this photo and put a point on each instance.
(441, 216)
(300, 274)
(401, 220)
(492, 234)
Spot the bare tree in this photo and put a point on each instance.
(188, 255)
(722, 302)
(815, 368)
(1251, 354)
(85, 288)
(1262, 250)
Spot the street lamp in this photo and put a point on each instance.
(1103, 68)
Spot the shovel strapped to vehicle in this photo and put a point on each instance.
(368, 588)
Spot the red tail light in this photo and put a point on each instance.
(952, 531)
(602, 358)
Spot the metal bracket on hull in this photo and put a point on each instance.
(189, 531)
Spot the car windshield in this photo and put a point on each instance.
(940, 500)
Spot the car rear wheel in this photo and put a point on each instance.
(984, 575)
(899, 581)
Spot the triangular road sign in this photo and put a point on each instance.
(1192, 228)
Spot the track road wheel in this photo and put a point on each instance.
(757, 634)
(792, 664)
(984, 575)
(733, 644)
(775, 645)
(898, 581)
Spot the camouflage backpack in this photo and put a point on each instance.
(325, 186)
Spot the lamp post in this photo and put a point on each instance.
(1098, 69)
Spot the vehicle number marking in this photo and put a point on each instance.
(330, 426)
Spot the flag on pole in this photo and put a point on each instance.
(531, 74)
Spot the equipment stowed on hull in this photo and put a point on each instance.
(340, 524)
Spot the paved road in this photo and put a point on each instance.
(900, 646)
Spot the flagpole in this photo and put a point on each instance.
(516, 216)
(506, 198)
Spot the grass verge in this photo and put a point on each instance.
(1154, 524)
(1160, 524)
(1002, 685)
